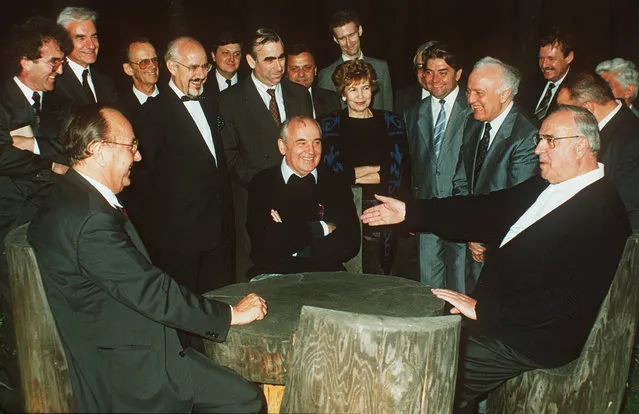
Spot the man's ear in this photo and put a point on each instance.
(213, 56)
(570, 57)
(251, 62)
(589, 106)
(172, 67)
(126, 67)
(281, 145)
(26, 64)
(505, 95)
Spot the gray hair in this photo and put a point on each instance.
(300, 119)
(422, 48)
(624, 70)
(586, 123)
(173, 46)
(510, 76)
(76, 14)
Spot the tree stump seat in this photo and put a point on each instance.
(595, 382)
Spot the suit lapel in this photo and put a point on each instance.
(455, 122)
(471, 143)
(256, 108)
(72, 85)
(498, 145)
(17, 102)
(425, 126)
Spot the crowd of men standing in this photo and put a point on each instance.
(202, 138)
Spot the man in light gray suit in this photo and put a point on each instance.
(434, 128)
(346, 30)
(498, 150)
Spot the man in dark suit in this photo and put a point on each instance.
(413, 94)
(301, 69)
(115, 311)
(556, 239)
(81, 83)
(623, 79)
(253, 113)
(227, 55)
(498, 149)
(139, 61)
(182, 187)
(346, 31)
(434, 129)
(556, 54)
(619, 130)
(300, 219)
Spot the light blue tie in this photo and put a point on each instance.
(440, 128)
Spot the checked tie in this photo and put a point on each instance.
(440, 128)
(542, 109)
(273, 109)
(482, 150)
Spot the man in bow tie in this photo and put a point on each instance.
(181, 201)
(300, 219)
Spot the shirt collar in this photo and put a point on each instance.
(560, 80)
(580, 181)
(106, 192)
(221, 79)
(495, 124)
(287, 172)
(28, 92)
(346, 58)
(78, 69)
(262, 87)
(450, 98)
(608, 117)
(142, 97)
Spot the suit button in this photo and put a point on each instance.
(182, 353)
(210, 333)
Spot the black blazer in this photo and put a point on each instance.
(540, 293)
(116, 313)
(325, 101)
(182, 195)
(69, 88)
(273, 244)
(620, 155)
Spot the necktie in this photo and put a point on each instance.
(228, 82)
(186, 98)
(273, 109)
(540, 113)
(306, 181)
(482, 150)
(37, 108)
(87, 89)
(440, 128)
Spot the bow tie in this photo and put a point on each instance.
(186, 98)
(307, 180)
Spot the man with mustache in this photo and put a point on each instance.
(183, 200)
(139, 61)
(80, 83)
(253, 112)
(556, 54)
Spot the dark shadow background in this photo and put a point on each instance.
(506, 29)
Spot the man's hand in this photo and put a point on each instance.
(60, 169)
(23, 143)
(276, 216)
(391, 211)
(249, 309)
(367, 174)
(331, 227)
(461, 303)
(477, 250)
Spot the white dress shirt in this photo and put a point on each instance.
(77, 71)
(435, 106)
(266, 98)
(142, 97)
(196, 112)
(106, 192)
(496, 123)
(221, 81)
(28, 93)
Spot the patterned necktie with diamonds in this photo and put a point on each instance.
(542, 109)
(482, 150)
(37, 108)
(440, 128)
(273, 109)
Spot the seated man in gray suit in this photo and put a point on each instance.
(116, 313)
(556, 239)
(497, 150)
(346, 30)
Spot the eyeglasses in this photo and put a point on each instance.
(133, 147)
(550, 140)
(418, 66)
(55, 63)
(144, 64)
(205, 67)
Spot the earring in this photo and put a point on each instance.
(344, 98)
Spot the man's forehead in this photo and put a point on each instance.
(301, 59)
(437, 63)
(50, 47)
(551, 49)
(229, 47)
(559, 124)
(270, 49)
(305, 130)
(137, 48)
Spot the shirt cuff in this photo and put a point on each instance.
(324, 227)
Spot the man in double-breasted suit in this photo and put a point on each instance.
(253, 112)
(434, 128)
(182, 194)
(117, 313)
(498, 150)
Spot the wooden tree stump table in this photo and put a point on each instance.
(261, 351)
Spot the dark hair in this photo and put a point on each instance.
(261, 37)
(560, 38)
(353, 71)
(341, 18)
(28, 38)
(124, 53)
(299, 48)
(440, 51)
(588, 87)
(226, 38)
(87, 125)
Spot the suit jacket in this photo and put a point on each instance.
(300, 207)
(68, 88)
(383, 99)
(510, 160)
(325, 101)
(540, 293)
(116, 313)
(182, 195)
(620, 154)
(635, 110)
(129, 103)
(530, 93)
(407, 97)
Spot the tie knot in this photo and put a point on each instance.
(36, 98)
(187, 98)
(228, 82)
(551, 86)
(442, 102)
(271, 92)
(486, 127)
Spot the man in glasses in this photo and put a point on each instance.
(29, 147)
(619, 129)
(141, 63)
(555, 239)
(80, 83)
